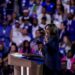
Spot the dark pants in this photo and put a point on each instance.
(1, 70)
(7, 70)
(47, 71)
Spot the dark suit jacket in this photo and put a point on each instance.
(51, 54)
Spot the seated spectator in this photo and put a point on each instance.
(44, 14)
(26, 24)
(66, 5)
(58, 16)
(37, 8)
(9, 19)
(72, 7)
(26, 47)
(40, 49)
(73, 68)
(3, 55)
(13, 48)
(5, 32)
(70, 59)
(71, 27)
(38, 37)
(9, 70)
(64, 70)
(43, 23)
(31, 6)
(35, 27)
(25, 14)
(62, 31)
(25, 35)
(50, 6)
(16, 33)
(10, 6)
(14, 17)
(22, 4)
(73, 48)
(65, 46)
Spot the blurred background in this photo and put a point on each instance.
(25, 27)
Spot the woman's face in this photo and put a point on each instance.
(9, 18)
(73, 67)
(65, 39)
(17, 25)
(63, 65)
(40, 46)
(26, 44)
(1, 46)
(13, 48)
(38, 34)
(58, 6)
(14, 15)
(47, 30)
(72, 2)
(35, 22)
(69, 54)
(62, 26)
(24, 31)
(43, 10)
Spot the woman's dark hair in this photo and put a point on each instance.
(53, 29)
(61, 9)
(24, 47)
(71, 52)
(15, 47)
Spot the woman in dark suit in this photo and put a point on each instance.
(51, 53)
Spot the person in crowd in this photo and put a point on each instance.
(9, 19)
(73, 68)
(70, 26)
(38, 37)
(43, 23)
(62, 31)
(25, 13)
(26, 47)
(70, 59)
(9, 70)
(50, 6)
(14, 17)
(3, 11)
(13, 48)
(40, 49)
(9, 6)
(44, 14)
(37, 8)
(25, 35)
(51, 53)
(3, 55)
(64, 70)
(73, 48)
(26, 24)
(31, 6)
(22, 4)
(64, 46)
(58, 16)
(16, 33)
(72, 7)
(35, 26)
(5, 32)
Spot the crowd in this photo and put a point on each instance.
(26, 26)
